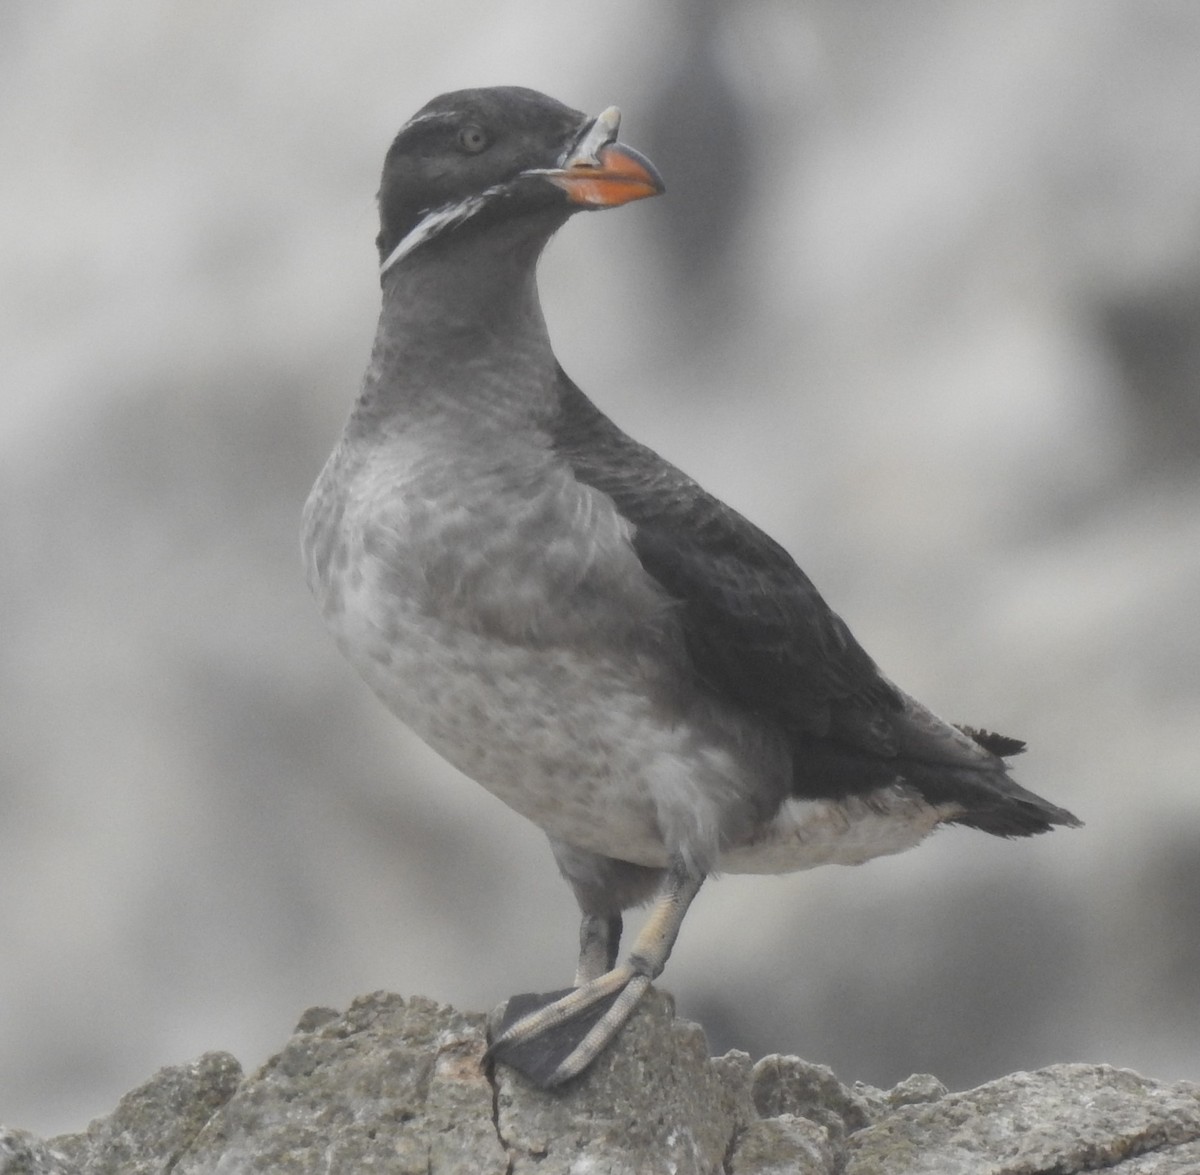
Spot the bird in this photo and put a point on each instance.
(572, 621)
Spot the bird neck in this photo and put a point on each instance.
(461, 331)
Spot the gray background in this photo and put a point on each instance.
(923, 300)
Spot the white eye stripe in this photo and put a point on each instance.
(432, 116)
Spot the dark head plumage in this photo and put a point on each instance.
(472, 157)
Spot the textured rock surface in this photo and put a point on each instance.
(396, 1085)
(156, 1123)
(1065, 1118)
(393, 1085)
(611, 1123)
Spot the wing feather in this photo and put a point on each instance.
(756, 628)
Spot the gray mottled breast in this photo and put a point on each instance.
(496, 605)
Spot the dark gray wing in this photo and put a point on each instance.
(760, 635)
(757, 630)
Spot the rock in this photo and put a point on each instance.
(605, 1124)
(23, 1154)
(401, 1086)
(783, 1145)
(156, 1123)
(393, 1085)
(1064, 1118)
(788, 1085)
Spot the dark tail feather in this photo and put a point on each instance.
(964, 765)
(998, 744)
(960, 768)
(1024, 814)
(991, 800)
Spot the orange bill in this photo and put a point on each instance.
(615, 175)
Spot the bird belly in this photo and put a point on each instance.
(565, 738)
(807, 833)
(534, 654)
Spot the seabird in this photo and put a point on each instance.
(573, 622)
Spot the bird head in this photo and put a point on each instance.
(473, 158)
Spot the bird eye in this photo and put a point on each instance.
(472, 138)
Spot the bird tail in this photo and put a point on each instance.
(991, 801)
(964, 766)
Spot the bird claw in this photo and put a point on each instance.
(553, 1037)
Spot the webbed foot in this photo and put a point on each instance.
(555, 1036)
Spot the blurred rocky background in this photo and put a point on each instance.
(923, 300)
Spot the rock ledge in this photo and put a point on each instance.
(395, 1085)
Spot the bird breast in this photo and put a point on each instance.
(498, 608)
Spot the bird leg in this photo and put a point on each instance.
(553, 1037)
(599, 940)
